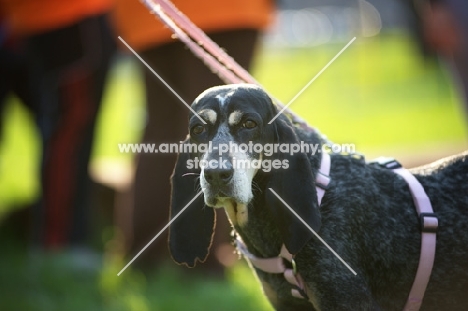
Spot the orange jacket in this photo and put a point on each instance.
(34, 16)
(141, 29)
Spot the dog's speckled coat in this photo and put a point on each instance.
(367, 216)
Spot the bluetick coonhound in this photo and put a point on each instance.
(367, 214)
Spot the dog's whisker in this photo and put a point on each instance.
(198, 187)
(255, 186)
(190, 174)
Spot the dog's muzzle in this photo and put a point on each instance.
(218, 183)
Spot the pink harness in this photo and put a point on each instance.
(428, 220)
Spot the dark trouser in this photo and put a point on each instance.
(68, 69)
(167, 122)
(14, 79)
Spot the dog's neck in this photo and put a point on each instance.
(259, 233)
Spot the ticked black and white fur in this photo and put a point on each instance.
(367, 214)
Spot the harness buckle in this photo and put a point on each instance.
(386, 162)
(428, 222)
(322, 181)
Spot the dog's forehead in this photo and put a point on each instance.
(227, 99)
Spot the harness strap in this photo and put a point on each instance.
(429, 224)
(269, 265)
(322, 179)
(276, 264)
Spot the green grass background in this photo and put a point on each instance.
(379, 94)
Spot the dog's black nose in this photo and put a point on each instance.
(219, 176)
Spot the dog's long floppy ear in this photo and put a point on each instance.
(191, 234)
(296, 186)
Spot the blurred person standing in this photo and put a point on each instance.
(235, 26)
(68, 47)
(444, 30)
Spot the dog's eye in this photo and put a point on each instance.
(249, 124)
(198, 129)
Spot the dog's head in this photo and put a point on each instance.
(224, 156)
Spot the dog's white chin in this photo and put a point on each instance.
(237, 211)
(239, 190)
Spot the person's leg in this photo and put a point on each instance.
(15, 79)
(69, 66)
(151, 188)
(167, 122)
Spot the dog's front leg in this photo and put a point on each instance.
(329, 291)
(332, 286)
(340, 296)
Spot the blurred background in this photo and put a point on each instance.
(391, 93)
